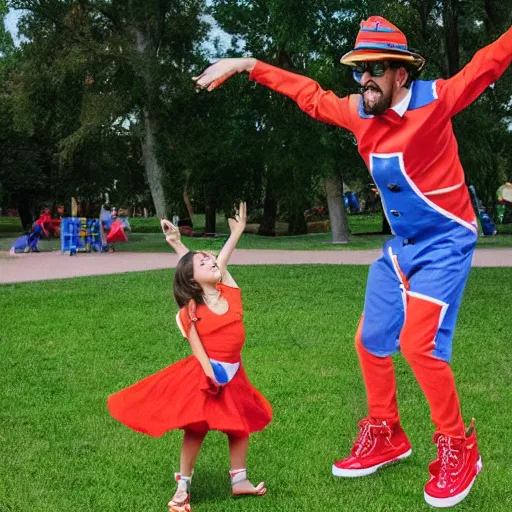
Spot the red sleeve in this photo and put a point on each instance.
(309, 96)
(487, 65)
(185, 317)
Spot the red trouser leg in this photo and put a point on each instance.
(379, 379)
(435, 377)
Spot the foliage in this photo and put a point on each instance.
(316, 213)
(110, 72)
(92, 80)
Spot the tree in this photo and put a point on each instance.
(102, 89)
(304, 37)
(22, 171)
(132, 54)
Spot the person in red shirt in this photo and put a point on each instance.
(404, 134)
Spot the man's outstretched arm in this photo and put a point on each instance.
(309, 96)
(487, 65)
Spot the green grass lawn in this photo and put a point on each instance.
(146, 237)
(363, 223)
(66, 345)
(10, 225)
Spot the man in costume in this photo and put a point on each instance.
(404, 134)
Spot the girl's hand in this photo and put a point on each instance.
(171, 232)
(218, 73)
(237, 225)
(214, 388)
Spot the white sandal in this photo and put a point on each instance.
(180, 502)
(240, 475)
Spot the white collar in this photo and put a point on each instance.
(401, 108)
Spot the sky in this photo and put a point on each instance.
(10, 23)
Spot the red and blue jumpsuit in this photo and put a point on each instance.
(414, 290)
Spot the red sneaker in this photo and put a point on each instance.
(454, 471)
(378, 444)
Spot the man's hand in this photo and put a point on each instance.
(237, 225)
(218, 73)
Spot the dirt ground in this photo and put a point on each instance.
(55, 265)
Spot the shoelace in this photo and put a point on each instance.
(367, 433)
(448, 455)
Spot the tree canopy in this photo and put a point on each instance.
(98, 98)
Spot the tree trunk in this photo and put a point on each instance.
(492, 17)
(424, 8)
(296, 202)
(23, 206)
(152, 167)
(451, 34)
(297, 224)
(337, 214)
(268, 225)
(188, 203)
(210, 225)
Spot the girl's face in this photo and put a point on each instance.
(205, 268)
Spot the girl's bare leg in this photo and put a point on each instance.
(192, 442)
(238, 455)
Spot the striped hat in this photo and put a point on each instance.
(378, 39)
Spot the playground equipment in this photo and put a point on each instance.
(503, 196)
(351, 202)
(112, 228)
(79, 234)
(43, 226)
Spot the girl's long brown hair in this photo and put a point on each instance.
(184, 286)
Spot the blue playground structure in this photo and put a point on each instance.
(78, 234)
(487, 226)
(351, 202)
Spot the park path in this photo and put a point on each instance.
(55, 265)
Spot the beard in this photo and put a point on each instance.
(375, 102)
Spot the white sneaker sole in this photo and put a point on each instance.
(354, 473)
(453, 500)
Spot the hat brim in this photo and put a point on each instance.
(353, 57)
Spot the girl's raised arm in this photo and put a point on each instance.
(236, 226)
(173, 237)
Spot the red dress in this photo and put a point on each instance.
(180, 397)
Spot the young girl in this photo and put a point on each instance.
(209, 390)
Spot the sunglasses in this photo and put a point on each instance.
(375, 68)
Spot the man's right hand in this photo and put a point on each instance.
(218, 73)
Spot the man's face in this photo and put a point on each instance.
(378, 82)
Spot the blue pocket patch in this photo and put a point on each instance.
(221, 376)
